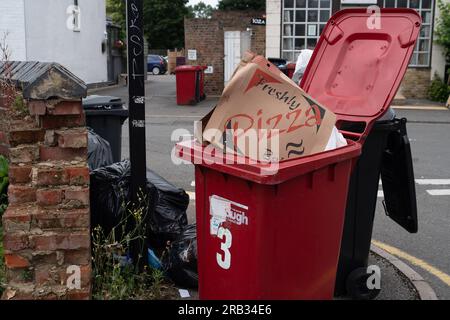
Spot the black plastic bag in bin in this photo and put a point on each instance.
(110, 194)
(180, 260)
(99, 151)
(170, 213)
(111, 198)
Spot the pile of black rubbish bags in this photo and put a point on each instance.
(170, 243)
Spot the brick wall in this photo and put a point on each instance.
(416, 82)
(207, 37)
(47, 223)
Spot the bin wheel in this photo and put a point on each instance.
(156, 71)
(357, 285)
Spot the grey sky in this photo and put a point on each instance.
(211, 2)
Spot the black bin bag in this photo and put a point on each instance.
(111, 201)
(99, 151)
(166, 205)
(180, 260)
(169, 217)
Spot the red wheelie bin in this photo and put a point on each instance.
(282, 232)
(290, 70)
(278, 236)
(190, 84)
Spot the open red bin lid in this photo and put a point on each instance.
(357, 66)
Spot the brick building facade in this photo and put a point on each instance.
(207, 38)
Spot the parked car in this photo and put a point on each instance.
(156, 64)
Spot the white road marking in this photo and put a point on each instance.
(420, 108)
(441, 192)
(429, 182)
(380, 194)
(433, 182)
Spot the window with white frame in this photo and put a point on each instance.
(303, 22)
(422, 52)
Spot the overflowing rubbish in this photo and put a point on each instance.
(164, 219)
(285, 122)
(170, 216)
(153, 260)
(336, 141)
(184, 293)
(110, 198)
(302, 63)
(99, 151)
(180, 260)
(166, 204)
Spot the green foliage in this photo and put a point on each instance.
(438, 90)
(115, 278)
(200, 10)
(442, 33)
(242, 5)
(19, 105)
(116, 10)
(164, 23)
(4, 169)
(27, 275)
(2, 264)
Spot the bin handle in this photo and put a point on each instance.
(350, 134)
(359, 137)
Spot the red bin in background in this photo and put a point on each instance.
(190, 84)
(291, 70)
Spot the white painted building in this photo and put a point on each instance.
(293, 25)
(70, 32)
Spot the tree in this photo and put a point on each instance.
(164, 23)
(443, 27)
(443, 30)
(242, 5)
(201, 10)
(115, 9)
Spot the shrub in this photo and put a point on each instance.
(438, 90)
(19, 105)
(115, 277)
(2, 264)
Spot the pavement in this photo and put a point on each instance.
(429, 131)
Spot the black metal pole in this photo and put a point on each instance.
(136, 89)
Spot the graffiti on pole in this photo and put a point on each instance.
(136, 88)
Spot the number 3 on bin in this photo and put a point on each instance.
(224, 259)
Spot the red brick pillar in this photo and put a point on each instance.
(46, 226)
